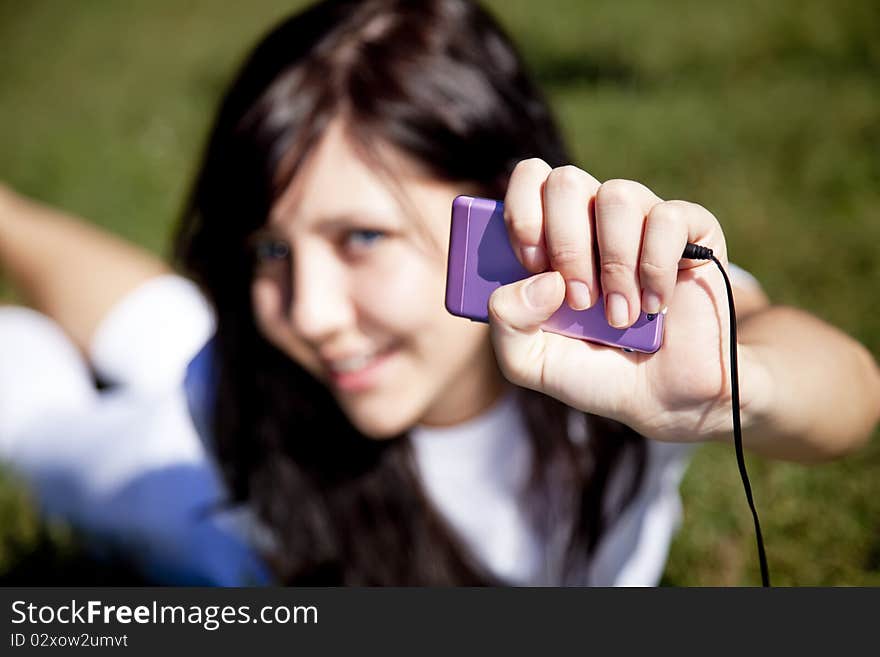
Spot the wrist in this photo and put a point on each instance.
(756, 398)
(757, 392)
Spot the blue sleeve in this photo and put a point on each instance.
(199, 386)
(225, 556)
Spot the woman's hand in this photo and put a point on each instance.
(619, 239)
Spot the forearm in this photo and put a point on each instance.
(66, 268)
(813, 392)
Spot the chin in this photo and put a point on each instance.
(380, 422)
(380, 429)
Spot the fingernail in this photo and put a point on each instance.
(578, 295)
(533, 258)
(539, 290)
(617, 309)
(650, 302)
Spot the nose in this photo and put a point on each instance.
(320, 305)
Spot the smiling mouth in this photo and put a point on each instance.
(355, 363)
(358, 372)
(352, 364)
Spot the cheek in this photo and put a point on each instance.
(403, 296)
(271, 313)
(407, 299)
(267, 298)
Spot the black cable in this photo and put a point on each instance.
(697, 252)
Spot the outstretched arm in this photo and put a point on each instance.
(808, 391)
(67, 268)
(819, 389)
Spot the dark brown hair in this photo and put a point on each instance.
(440, 81)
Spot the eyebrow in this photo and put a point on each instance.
(356, 218)
(265, 231)
(343, 220)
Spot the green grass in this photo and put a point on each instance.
(766, 113)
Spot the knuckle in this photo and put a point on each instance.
(511, 370)
(652, 272)
(686, 206)
(615, 191)
(496, 305)
(667, 214)
(566, 255)
(615, 268)
(507, 362)
(568, 177)
(523, 368)
(532, 165)
(523, 224)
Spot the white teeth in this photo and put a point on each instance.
(355, 363)
(352, 364)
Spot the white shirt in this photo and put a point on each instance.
(475, 472)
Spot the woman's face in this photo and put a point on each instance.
(352, 288)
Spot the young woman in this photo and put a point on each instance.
(366, 435)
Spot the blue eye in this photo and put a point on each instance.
(366, 238)
(271, 249)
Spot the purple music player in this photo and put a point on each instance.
(481, 260)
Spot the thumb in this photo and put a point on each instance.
(516, 312)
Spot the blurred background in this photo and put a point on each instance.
(766, 113)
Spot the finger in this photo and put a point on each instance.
(669, 226)
(568, 194)
(516, 312)
(702, 228)
(621, 206)
(524, 213)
